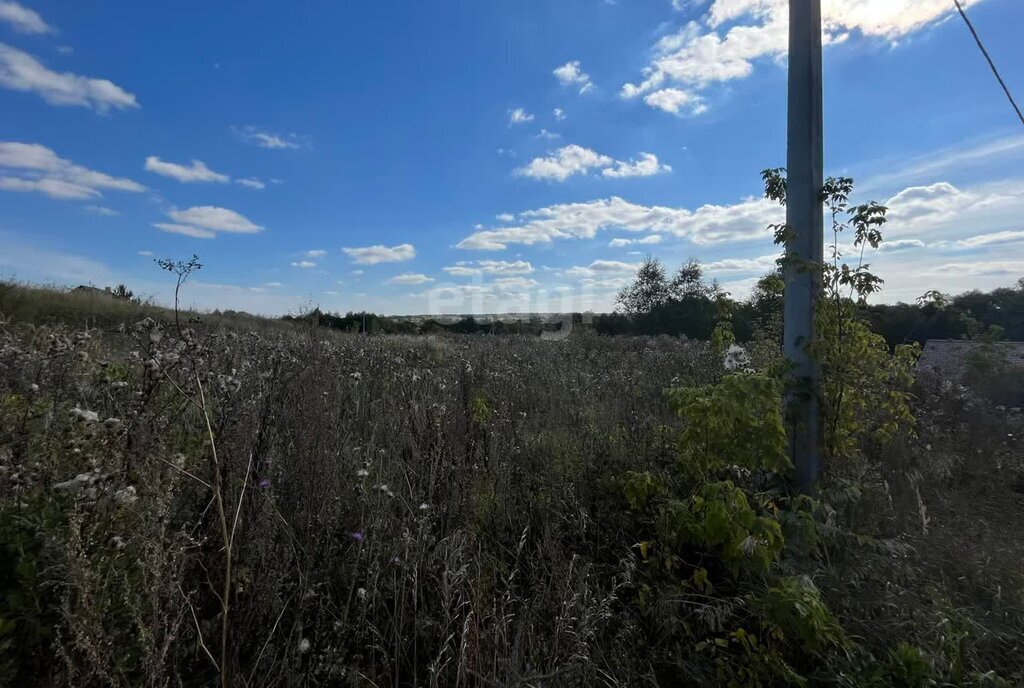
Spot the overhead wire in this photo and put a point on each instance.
(991, 63)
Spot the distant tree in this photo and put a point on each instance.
(650, 289)
(688, 282)
(933, 300)
(124, 293)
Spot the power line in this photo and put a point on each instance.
(981, 46)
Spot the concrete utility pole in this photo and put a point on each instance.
(805, 221)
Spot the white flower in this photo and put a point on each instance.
(362, 473)
(126, 496)
(304, 645)
(424, 506)
(86, 416)
(361, 593)
(736, 357)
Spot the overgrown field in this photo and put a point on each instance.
(295, 507)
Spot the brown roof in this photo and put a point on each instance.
(948, 358)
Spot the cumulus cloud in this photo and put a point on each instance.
(602, 268)
(315, 253)
(197, 171)
(519, 116)
(186, 230)
(22, 19)
(304, 264)
(647, 240)
(647, 166)
(675, 101)
(262, 138)
(564, 163)
(573, 159)
(559, 114)
(19, 71)
(708, 224)
(205, 222)
(734, 35)
(371, 255)
(469, 268)
(943, 206)
(410, 278)
(31, 167)
(570, 74)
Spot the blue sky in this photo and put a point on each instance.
(466, 156)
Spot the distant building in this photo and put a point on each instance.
(86, 290)
(949, 358)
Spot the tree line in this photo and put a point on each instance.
(686, 303)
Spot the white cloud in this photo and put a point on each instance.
(548, 135)
(708, 224)
(962, 157)
(647, 240)
(304, 264)
(251, 183)
(647, 166)
(564, 163)
(371, 255)
(19, 71)
(22, 19)
(947, 208)
(570, 74)
(54, 188)
(992, 238)
(468, 268)
(519, 116)
(559, 114)
(410, 278)
(509, 283)
(145, 254)
(980, 268)
(735, 34)
(273, 285)
(195, 172)
(265, 139)
(573, 159)
(30, 167)
(761, 264)
(902, 245)
(204, 222)
(673, 100)
(506, 217)
(602, 268)
(187, 230)
(315, 253)
(101, 210)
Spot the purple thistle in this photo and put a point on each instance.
(265, 484)
(358, 536)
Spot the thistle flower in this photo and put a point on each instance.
(265, 484)
(358, 536)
